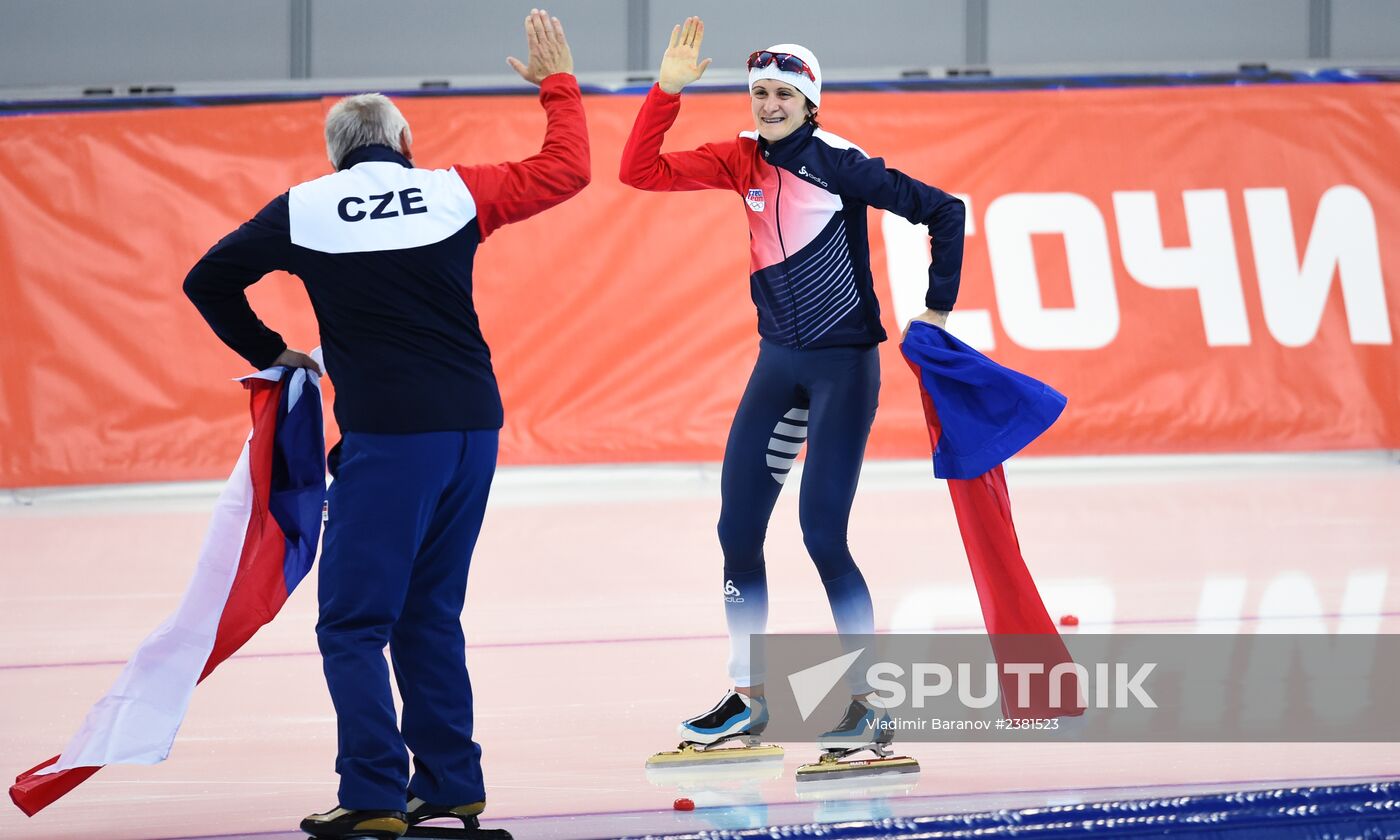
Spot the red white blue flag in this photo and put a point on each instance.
(261, 542)
(979, 414)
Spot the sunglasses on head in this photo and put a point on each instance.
(787, 62)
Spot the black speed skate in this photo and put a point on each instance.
(865, 726)
(420, 814)
(735, 718)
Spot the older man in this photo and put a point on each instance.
(385, 251)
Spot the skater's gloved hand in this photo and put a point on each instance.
(297, 359)
(928, 316)
(549, 50)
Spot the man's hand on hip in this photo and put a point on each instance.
(296, 359)
(549, 51)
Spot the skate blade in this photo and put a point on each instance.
(826, 771)
(691, 756)
(862, 788)
(457, 832)
(731, 774)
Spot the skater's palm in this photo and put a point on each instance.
(679, 66)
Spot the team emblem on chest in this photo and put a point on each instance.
(755, 200)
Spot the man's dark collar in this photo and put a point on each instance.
(374, 152)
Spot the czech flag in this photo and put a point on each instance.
(979, 414)
(260, 544)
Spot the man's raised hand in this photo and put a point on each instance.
(549, 50)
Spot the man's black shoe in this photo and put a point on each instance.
(340, 822)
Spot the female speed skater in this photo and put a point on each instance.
(817, 378)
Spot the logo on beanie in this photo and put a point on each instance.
(755, 200)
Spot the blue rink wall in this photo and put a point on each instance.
(1369, 811)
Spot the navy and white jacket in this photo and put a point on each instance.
(806, 198)
(385, 252)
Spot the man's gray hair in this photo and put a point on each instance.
(357, 121)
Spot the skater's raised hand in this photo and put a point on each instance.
(678, 65)
(549, 51)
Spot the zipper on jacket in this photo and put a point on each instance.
(778, 219)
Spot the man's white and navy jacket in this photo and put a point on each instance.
(806, 197)
(385, 252)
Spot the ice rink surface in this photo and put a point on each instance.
(595, 622)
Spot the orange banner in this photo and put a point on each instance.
(1198, 269)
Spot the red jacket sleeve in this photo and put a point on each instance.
(511, 192)
(712, 166)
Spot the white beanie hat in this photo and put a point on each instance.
(810, 88)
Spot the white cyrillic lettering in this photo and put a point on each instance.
(1343, 242)
(907, 255)
(1093, 320)
(1208, 265)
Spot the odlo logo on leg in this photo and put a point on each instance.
(732, 595)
